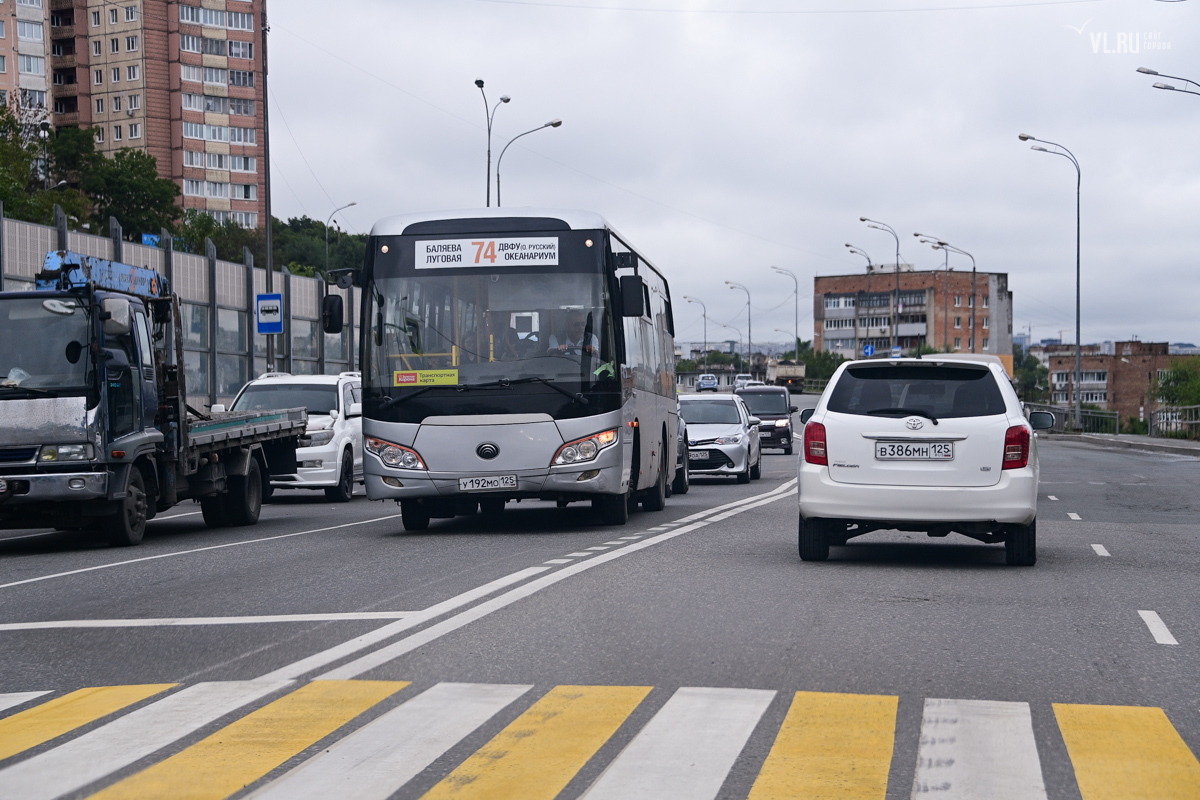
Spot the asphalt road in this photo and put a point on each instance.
(688, 654)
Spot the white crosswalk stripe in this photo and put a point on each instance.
(17, 698)
(977, 750)
(379, 758)
(687, 749)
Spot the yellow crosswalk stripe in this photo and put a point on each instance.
(63, 714)
(831, 746)
(538, 754)
(249, 748)
(1127, 753)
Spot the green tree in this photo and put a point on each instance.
(127, 187)
(819, 365)
(1033, 379)
(22, 182)
(1180, 386)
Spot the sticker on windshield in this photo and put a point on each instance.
(484, 252)
(426, 377)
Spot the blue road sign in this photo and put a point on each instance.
(269, 308)
(868, 350)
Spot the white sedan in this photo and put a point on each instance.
(939, 445)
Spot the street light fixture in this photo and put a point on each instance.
(882, 226)
(735, 330)
(554, 123)
(1067, 154)
(327, 221)
(749, 333)
(949, 248)
(858, 251)
(704, 314)
(1168, 87)
(923, 239)
(490, 116)
(796, 281)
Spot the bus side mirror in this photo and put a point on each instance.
(806, 415)
(633, 296)
(332, 313)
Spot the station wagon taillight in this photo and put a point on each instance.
(814, 444)
(1016, 448)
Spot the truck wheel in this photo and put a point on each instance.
(814, 541)
(244, 501)
(1020, 546)
(613, 508)
(683, 477)
(127, 527)
(268, 491)
(414, 515)
(215, 511)
(344, 491)
(655, 498)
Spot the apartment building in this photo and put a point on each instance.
(936, 308)
(180, 81)
(1122, 380)
(23, 62)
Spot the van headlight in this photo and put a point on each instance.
(53, 453)
(585, 449)
(318, 438)
(394, 455)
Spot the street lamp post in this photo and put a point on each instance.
(749, 332)
(1067, 154)
(796, 281)
(857, 311)
(490, 116)
(735, 330)
(941, 244)
(704, 314)
(946, 294)
(554, 123)
(44, 133)
(327, 221)
(881, 226)
(1166, 86)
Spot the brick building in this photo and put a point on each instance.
(934, 308)
(23, 62)
(1122, 381)
(182, 82)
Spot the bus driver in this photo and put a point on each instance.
(574, 343)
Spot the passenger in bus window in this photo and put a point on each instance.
(573, 342)
(502, 342)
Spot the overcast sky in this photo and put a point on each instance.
(722, 143)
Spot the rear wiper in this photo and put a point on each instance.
(505, 382)
(905, 412)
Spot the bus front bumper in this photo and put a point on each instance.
(545, 484)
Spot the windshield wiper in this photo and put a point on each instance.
(392, 401)
(30, 389)
(506, 382)
(905, 412)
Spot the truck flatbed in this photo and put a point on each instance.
(240, 429)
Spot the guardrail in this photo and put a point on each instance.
(1176, 422)
(1091, 420)
(815, 385)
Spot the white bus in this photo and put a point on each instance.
(512, 354)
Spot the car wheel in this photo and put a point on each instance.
(744, 477)
(756, 470)
(127, 527)
(787, 451)
(344, 491)
(683, 476)
(1020, 545)
(414, 515)
(243, 503)
(613, 508)
(814, 540)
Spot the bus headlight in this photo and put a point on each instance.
(65, 452)
(394, 455)
(585, 449)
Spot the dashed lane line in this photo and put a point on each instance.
(579, 555)
(1101, 550)
(1074, 516)
(597, 548)
(559, 561)
(170, 622)
(1051, 497)
(1158, 628)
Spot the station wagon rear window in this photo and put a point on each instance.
(937, 391)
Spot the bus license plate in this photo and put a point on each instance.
(490, 483)
(914, 451)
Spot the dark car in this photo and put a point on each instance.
(772, 405)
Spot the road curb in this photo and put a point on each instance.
(1107, 443)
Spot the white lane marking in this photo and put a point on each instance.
(579, 555)
(1074, 516)
(16, 698)
(1096, 483)
(177, 516)
(687, 749)
(170, 622)
(669, 524)
(1101, 550)
(657, 528)
(195, 550)
(376, 760)
(385, 654)
(28, 536)
(1051, 497)
(631, 538)
(616, 544)
(729, 514)
(1158, 628)
(327, 657)
(71, 766)
(978, 750)
(597, 548)
(559, 561)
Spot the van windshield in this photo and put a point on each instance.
(940, 392)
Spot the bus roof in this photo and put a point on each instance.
(575, 220)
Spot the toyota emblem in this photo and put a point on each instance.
(914, 423)
(487, 451)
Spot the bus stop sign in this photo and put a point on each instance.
(269, 314)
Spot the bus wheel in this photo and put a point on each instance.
(414, 515)
(613, 508)
(655, 498)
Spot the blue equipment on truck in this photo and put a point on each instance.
(95, 430)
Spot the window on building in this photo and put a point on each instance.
(33, 98)
(215, 76)
(216, 105)
(97, 47)
(241, 50)
(970, 342)
(116, 75)
(985, 323)
(189, 14)
(133, 72)
(98, 77)
(193, 130)
(833, 302)
(31, 65)
(192, 158)
(1061, 397)
(112, 16)
(244, 191)
(29, 31)
(836, 324)
(117, 103)
(218, 161)
(95, 19)
(243, 163)
(114, 45)
(1093, 397)
(241, 77)
(957, 300)
(985, 343)
(215, 189)
(131, 44)
(135, 130)
(100, 135)
(247, 219)
(243, 136)
(958, 322)
(240, 21)
(214, 47)
(116, 133)
(193, 188)
(985, 301)
(99, 105)
(130, 13)
(135, 101)
(4, 69)
(971, 301)
(213, 17)
(190, 44)
(958, 343)
(30, 3)
(1094, 376)
(241, 107)
(188, 72)
(193, 102)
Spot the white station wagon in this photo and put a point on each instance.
(938, 444)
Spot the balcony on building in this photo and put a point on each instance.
(911, 329)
